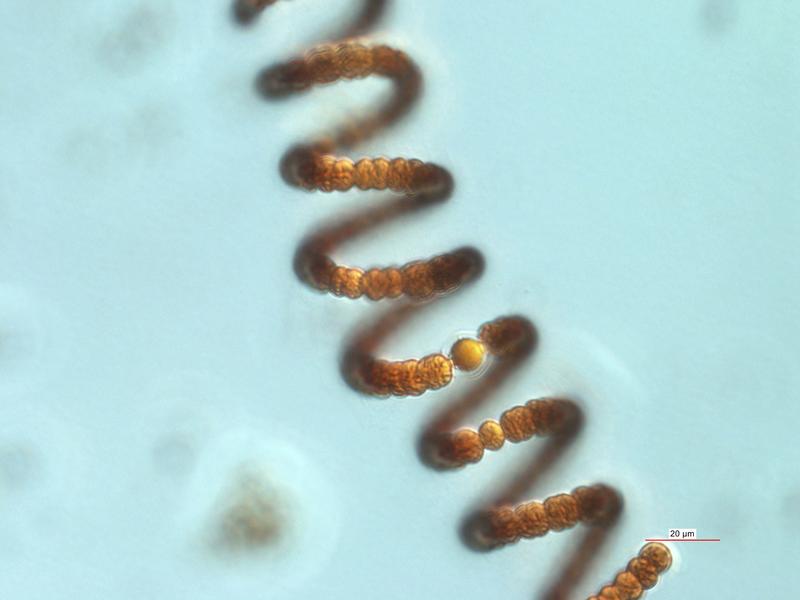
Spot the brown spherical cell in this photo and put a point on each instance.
(562, 511)
(346, 281)
(492, 334)
(363, 174)
(412, 382)
(628, 584)
(376, 284)
(397, 179)
(395, 287)
(504, 525)
(392, 372)
(492, 436)
(314, 173)
(644, 571)
(598, 504)
(611, 592)
(467, 354)
(322, 65)
(436, 370)
(342, 175)
(377, 376)
(448, 271)
(354, 60)
(464, 447)
(506, 336)
(403, 382)
(417, 280)
(380, 173)
(532, 518)
(658, 554)
(517, 424)
(553, 416)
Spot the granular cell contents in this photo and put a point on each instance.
(319, 165)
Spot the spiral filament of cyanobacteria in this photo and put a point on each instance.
(316, 165)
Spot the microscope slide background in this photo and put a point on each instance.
(629, 170)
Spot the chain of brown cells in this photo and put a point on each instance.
(316, 165)
(641, 574)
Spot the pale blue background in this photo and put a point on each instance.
(630, 171)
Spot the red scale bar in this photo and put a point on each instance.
(677, 540)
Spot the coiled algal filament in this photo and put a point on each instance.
(418, 279)
(413, 377)
(316, 165)
(542, 417)
(596, 505)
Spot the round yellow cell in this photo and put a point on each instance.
(468, 354)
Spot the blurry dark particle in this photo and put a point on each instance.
(253, 516)
(246, 11)
(134, 41)
(718, 16)
(19, 466)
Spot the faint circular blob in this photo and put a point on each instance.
(43, 468)
(184, 408)
(791, 507)
(23, 337)
(20, 465)
(260, 510)
(718, 16)
(136, 39)
(175, 454)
